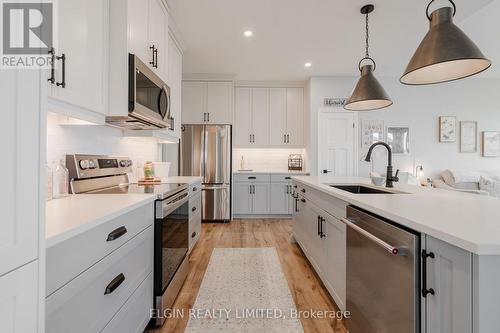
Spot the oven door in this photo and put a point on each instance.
(149, 96)
(171, 241)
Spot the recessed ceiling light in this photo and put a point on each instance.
(248, 33)
(307, 64)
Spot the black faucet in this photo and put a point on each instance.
(390, 178)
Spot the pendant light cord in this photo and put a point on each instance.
(367, 40)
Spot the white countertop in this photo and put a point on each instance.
(77, 213)
(276, 172)
(468, 221)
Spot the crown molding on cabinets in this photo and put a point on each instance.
(174, 32)
(271, 84)
(208, 77)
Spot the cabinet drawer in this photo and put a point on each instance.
(88, 303)
(134, 316)
(194, 188)
(70, 258)
(194, 230)
(248, 177)
(194, 205)
(332, 205)
(280, 178)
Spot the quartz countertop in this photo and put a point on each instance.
(77, 213)
(468, 221)
(274, 172)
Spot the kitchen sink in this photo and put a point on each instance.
(360, 189)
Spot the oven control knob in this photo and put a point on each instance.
(92, 164)
(84, 164)
(123, 163)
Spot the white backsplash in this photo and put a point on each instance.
(273, 159)
(92, 139)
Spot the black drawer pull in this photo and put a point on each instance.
(193, 209)
(303, 190)
(117, 281)
(426, 291)
(193, 235)
(303, 200)
(195, 189)
(288, 177)
(252, 177)
(117, 233)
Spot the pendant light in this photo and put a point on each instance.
(445, 54)
(368, 93)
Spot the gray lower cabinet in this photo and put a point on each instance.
(251, 198)
(449, 275)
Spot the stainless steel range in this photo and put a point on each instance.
(96, 174)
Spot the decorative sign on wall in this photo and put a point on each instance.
(398, 138)
(447, 129)
(371, 131)
(491, 144)
(468, 136)
(335, 102)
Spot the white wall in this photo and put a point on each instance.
(92, 139)
(418, 108)
(269, 159)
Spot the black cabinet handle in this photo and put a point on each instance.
(117, 281)
(52, 78)
(152, 62)
(321, 233)
(303, 200)
(426, 291)
(193, 209)
(155, 58)
(193, 235)
(319, 222)
(208, 116)
(288, 177)
(296, 204)
(195, 189)
(117, 233)
(63, 82)
(303, 190)
(252, 177)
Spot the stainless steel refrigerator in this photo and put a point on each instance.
(206, 153)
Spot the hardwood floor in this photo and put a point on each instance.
(307, 290)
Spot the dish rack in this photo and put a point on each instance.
(295, 162)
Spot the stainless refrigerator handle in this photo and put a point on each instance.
(389, 248)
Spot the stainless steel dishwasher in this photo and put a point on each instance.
(382, 275)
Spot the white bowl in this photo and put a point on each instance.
(378, 181)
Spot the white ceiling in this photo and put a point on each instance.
(288, 33)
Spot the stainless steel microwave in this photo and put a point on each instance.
(148, 100)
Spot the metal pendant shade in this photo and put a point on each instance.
(368, 94)
(445, 53)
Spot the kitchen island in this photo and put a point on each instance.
(462, 232)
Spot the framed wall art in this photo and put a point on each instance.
(447, 129)
(371, 131)
(468, 136)
(398, 138)
(491, 144)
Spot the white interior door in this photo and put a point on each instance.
(337, 143)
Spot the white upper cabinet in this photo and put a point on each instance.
(175, 83)
(269, 117)
(277, 116)
(207, 102)
(80, 82)
(251, 117)
(158, 38)
(137, 27)
(295, 116)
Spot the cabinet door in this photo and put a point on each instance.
(315, 243)
(279, 198)
(19, 134)
(260, 116)
(86, 55)
(277, 116)
(219, 102)
(193, 102)
(138, 41)
(450, 275)
(260, 199)
(19, 300)
(175, 82)
(295, 116)
(242, 117)
(158, 36)
(334, 267)
(242, 199)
